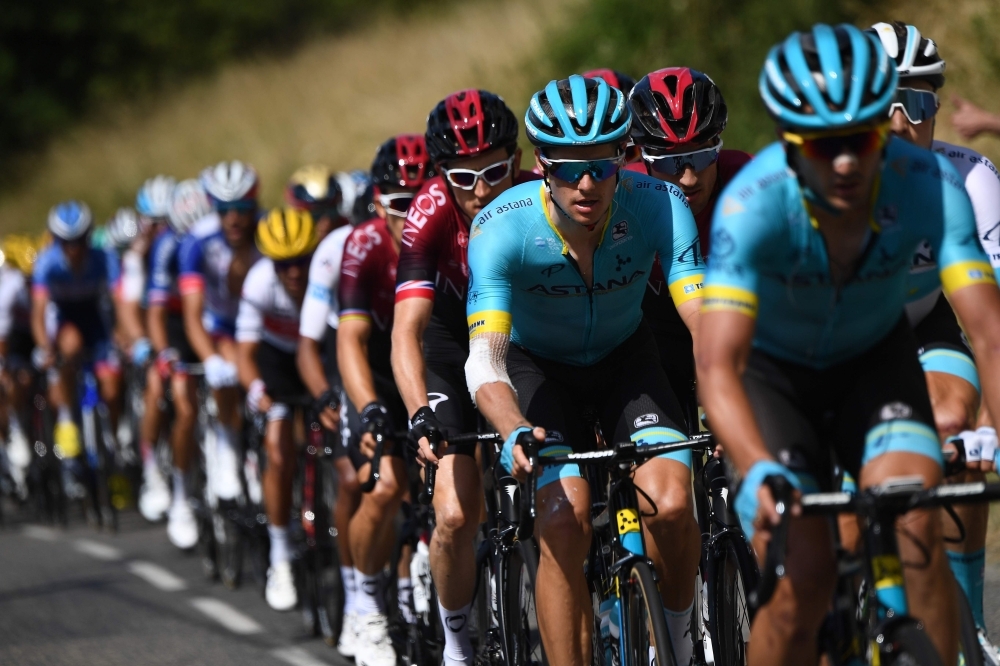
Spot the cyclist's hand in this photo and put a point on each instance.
(969, 120)
(988, 448)
(367, 444)
(422, 424)
(719, 451)
(165, 361)
(219, 373)
(141, 351)
(755, 504)
(42, 358)
(330, 419)
(258, 401)
(327, 405)
(520, 465)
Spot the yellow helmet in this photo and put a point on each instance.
(286, 233)
(19, 251)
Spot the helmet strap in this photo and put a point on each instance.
(548, 188)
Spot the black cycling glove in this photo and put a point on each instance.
(374, 415)
(422, 423)
(328, 398)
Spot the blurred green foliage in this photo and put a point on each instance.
(59, 58)
(726, 39)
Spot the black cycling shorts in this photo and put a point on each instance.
(280, 374)
(848, 414)
(627, 390)
(177, 339)
(673, 340)
(448, 397)
(943, 346)
(330, 356)
(388, 394)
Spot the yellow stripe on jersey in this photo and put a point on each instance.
(966, 273)
(719, 298)
(687, 287)
(489, 321)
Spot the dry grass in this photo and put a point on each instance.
(334, 102)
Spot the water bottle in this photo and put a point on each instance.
(420, 573)
(610, 629)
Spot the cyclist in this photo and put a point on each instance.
(357, 202)
(472, 141)
(560, 270)
(214, 259)
(952, 380)
(267, 331)
(366, 298)
(15, 351)
(165, 323)
(678, 118)
(315, 188)
(805, 351)
(75, 280)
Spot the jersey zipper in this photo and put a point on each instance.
(838, 289)
(589, 327)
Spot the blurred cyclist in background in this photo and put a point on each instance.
(315, 188)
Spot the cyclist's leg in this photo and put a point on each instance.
(784, 631)
(69, 345)
(953, 385)
(108, 371)
(458, 500)
(563, 527)
(228, 426)
(888, 410)
(149, 428)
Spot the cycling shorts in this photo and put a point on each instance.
(943, 346)
(673, 340)
(847, 415)
(627, 390)
(95, 332)
(278, 370)
(177, 339)
(20, 344)
(388, 394)
(448, 397)
(329, 350)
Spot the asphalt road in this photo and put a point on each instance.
(74, 597)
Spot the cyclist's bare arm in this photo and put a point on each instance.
(352, 359)
(192, 304)
(689, 312)
(978, 308)
(498, 404)
(310, 366)
(39, 303)
(410, 321)
(156, 324)
(129, 316)
(246, 363)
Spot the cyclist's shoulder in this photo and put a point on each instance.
(914, 174)
(48, 259)
(333, 244)
(731, 162)
(510, 216)
(975, 168)
(205, 227)
(260, 279)
(647, 198)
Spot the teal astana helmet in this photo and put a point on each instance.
(828, 78)
(577, 112)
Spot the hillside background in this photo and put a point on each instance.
(97, 95)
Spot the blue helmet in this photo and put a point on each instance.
(154, 197)
(70, 220)
(577, 112)
(828, 78)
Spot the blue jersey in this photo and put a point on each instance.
(164, 271)
(525, 283)
(66, 289)
(769, 259)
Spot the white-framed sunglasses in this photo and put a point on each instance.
(396, 204)
(466, 179)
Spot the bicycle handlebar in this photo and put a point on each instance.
(430, 469)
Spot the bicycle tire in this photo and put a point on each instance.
(904, 643)
(480, 620)
(968, 636)
(516, 606)
(644, 626)
(731, 574)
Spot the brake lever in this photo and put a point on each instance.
(774, 562)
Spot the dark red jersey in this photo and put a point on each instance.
(368, 285)
(433, 264)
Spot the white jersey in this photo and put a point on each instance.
(132, 287)
(267, 313)
(320, 308)
(982, 182)
(15, 302)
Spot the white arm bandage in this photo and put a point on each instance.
(487, 363)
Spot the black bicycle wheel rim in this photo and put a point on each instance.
(644, 625)
(481, 615)
(968, 636)
(731, 574)
(905, 644)
(517, 612)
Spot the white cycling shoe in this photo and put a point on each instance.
(154, 497)
(991, 656)
(280, 592)
(374, 647)
(182, 528)
(226, 477)
(347, 644)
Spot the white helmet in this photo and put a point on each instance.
(190, 204)
(915, 55)
(356, 195)
(153, 199)
(230, 182)
(122, 229)
(70, 220)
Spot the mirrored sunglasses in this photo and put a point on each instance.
(571, 171)
(916, 105)
(675, 164)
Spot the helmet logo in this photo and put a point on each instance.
(465, 112)
(670, 85)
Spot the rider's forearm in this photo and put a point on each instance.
(352, 359)
(198, 337)
(130, 320)
(156, 324)
(310, 366)
(730, 416)
(498, 404)
(246, 363)
(689, 312)
(38, 332)
(408, 368)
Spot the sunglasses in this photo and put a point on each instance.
(319, 213)
(224, 207)
(916, 105)
(571, 171)
(674, 164)
(466, 179)
(396, 204)
(76, 242)
(285, 264)
(830, 145)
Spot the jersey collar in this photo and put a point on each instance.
(548, 218)
(872, 223)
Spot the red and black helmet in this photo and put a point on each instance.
(402, 161)
(676, 106)
(467, 123)
(613, 77)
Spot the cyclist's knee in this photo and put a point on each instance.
(69, 342)
(565, 527)
(280, 448)
(456, 519)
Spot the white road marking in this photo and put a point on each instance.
(39, 532)
(97, 550)
(227, 616)
(297, 657)
(157, 576)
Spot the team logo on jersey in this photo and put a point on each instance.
(476, 230)
(923, 258)
(895, 410)
(621, 262)
(731, 206)
(722, 244)
(463, 239)
(887, 216)
(646, 420)
(627, 184)
(620, 230)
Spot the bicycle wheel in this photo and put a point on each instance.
(516, 612)
(730, 575)
(968, 638)
(644, 637)
(481, 620)
(904, 643)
